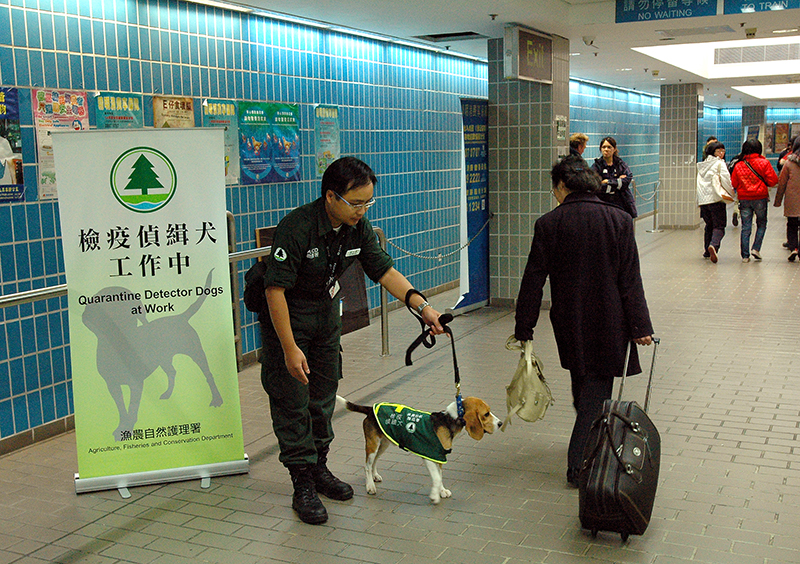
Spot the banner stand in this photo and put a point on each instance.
(122, 482)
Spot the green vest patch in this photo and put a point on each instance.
(411, 430)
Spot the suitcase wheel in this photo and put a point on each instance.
(624, 537)
(594, 533)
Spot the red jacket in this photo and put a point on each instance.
(747, 184)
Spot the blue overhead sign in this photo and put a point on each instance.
(652, 10)
(750, 6)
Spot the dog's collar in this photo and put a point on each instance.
(459, 407)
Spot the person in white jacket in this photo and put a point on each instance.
(713, 188)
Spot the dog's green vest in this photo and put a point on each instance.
(411, 430)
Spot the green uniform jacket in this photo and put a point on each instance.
(305, 246)
(411, 430)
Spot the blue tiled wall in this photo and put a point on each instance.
(629, 117)
(400, 111)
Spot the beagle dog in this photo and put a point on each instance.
(428, 435)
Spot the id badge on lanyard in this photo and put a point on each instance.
(332, 284)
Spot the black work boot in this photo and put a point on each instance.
(305, 500)
(326, 483)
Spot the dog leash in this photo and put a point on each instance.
(427, 339)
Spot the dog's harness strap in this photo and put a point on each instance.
(427, 339)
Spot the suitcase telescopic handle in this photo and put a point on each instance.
(656, 342)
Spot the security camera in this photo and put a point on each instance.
(588, 40)
(750, 32)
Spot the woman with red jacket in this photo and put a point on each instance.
(751, 178)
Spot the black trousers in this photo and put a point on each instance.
(588, 394)
(792, 229)
(716, 218)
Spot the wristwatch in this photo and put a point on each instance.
(422, 306)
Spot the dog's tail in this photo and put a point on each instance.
(350, 406)
(192, 309)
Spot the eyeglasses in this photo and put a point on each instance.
(358, 207)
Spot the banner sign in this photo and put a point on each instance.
(154, 367)
(173, 111)
(222, 113)
(748, 7)
(12, 187)
(119, 111)
(475, 183)
(55, 110)
(326, 137)
(652, 10)
(269, 142)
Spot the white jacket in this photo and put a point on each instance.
(713, 180)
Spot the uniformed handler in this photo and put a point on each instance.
(301, 365)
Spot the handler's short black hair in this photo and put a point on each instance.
(576, 175)
(345, 174)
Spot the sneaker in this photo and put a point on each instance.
(793, 255)
(746, 259)
(756, 254)
(712, 254)
(786, 245)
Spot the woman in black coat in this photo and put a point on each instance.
(615, 176)
(587, 248)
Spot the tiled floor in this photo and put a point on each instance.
(726, 400)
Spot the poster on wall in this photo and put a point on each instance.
(769, 138)
(781, 136)
(327, 144)
(752, 132)
(12, 186)
(285, 143)
(795, 130)
(474, 206)
(153, 361)
(55, 110)
(119, 111)
(173, 111)
(222, 113)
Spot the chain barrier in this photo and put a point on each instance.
(440, 256)
(644, 199)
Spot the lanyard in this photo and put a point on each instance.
(333, 266)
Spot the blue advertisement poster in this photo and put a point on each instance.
(119, 111)
(475, 278)
(652, 10)
(12, 188)
(269, 142)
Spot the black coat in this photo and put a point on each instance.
(587, 248)
(618, 190)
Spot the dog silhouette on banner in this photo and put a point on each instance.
(130, 348)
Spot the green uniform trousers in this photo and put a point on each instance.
(301, 415)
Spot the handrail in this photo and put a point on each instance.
(20, 298)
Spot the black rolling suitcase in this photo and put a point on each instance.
(618, 479)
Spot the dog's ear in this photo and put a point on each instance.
(472, 419)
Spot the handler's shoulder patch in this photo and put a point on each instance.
(279, 254)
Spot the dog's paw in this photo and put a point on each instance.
(435, 498)
(371, 489)
(377, 477)
(444, 492)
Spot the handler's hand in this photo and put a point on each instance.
(648, 340)
(297, 365)
(431, 317)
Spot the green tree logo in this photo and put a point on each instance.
(143, 179)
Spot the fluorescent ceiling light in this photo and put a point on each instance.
(698, 58)
(771, 91)
(223, 5)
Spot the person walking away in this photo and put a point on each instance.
(616, 177)
(713, 185)
(598, 301)
(752, 177)
(577, 143)
(789, 194)
(301, 331)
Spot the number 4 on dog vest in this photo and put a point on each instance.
(411, 430)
